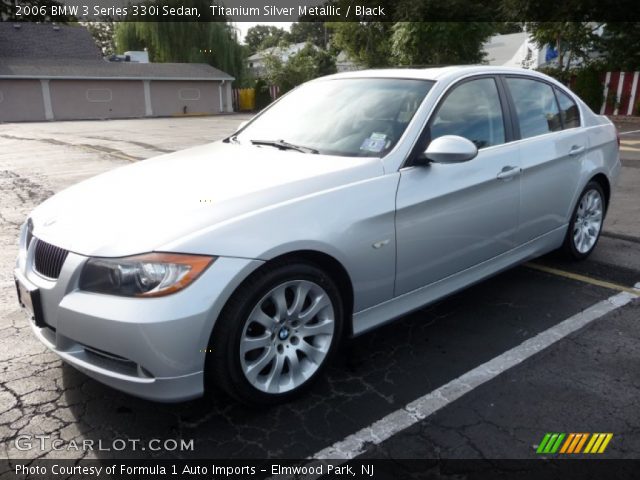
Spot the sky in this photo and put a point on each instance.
(244, 26)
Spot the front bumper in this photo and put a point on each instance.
(153, 348)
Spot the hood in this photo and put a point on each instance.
(140, 207)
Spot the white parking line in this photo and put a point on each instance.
(427, 405)
(631, 131)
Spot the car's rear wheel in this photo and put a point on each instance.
(276, 333)
(586, 222)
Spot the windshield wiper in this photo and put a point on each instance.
(282, 145)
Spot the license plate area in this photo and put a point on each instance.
(29, 299)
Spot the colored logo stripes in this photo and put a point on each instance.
(574, 442)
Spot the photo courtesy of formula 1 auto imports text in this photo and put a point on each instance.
(319, 239)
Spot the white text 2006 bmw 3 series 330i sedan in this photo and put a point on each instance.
(352, 200)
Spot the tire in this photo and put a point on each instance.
(276, 334)
(586, 222)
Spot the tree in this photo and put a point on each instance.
(367, 43)
(103, 33)
(572, 40)
(574, 10)
(261, 37)
(307, 64)
(504, 28)
(215, 43)
(314, 32)
(620, 43)
(439, 43)
(409, 23)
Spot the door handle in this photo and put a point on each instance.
(508, 173)
(576, 150)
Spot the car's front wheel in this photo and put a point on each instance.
(276, 333)
(586, 222)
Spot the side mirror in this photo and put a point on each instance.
(451, 149)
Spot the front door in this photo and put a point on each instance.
(452, 217)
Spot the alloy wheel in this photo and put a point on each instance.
(287, 336)
(588, 222)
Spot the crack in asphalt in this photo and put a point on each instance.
(85, 146)
(147, 146)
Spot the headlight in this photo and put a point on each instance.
(149, 275)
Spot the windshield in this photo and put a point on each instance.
(357, 117)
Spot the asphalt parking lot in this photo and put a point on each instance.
(550, 346)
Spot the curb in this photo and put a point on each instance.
(621, 236)
(624, 119)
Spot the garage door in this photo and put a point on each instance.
(96, 99)
(21, 101)
(183, 97)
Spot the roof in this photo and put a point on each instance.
(45, 51)
(283, 52)
(46, 40)
(43, 68)
(450, 73)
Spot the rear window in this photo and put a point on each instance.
(568, 110)
(536, 107)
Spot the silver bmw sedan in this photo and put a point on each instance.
(351, 201)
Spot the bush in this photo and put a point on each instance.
(263, 97)
(585, 82)
(563, 76)
(589, 87)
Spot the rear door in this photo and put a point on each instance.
(551, 148)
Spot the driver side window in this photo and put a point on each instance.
(471, 110)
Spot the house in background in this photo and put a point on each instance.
(344, 63)
(56, 72)
(514, 50)
(256, 62)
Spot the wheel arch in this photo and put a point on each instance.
(602, 180)
(333, 267)
(328, 263)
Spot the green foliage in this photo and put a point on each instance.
(439, 43)
(573, 40)
(505, 28)
(556, 72)
(367, 43)
(261, 37)
(214, 43)
(588, 86)
(585, 82)
(263, 97)
(314, 32)
(621, 46)
(307, 64)
(414, 37)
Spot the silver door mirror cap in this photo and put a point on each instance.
(451, 149)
